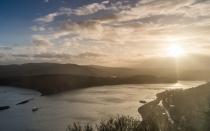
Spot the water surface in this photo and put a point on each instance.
(84, 105)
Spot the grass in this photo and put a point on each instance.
(120, 123)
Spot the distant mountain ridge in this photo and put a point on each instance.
(54, 68)
(50, 78)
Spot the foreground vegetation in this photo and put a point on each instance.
(120, 123)
(127, 123)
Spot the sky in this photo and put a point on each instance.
(103, 32)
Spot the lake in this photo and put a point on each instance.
(85, 105)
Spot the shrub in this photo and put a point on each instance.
(120, 123)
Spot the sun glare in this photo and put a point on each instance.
(175, 50)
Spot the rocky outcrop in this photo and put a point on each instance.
(178, 110)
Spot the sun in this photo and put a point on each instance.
(175, 50)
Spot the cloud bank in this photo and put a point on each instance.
(113, 32)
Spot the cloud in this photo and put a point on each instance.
(38, 28)
(41, 41)
(83, 58)
(5, 48)
(84, 10)
(119, 30)
(48, 18)
(90, 55)
(46, 1)
(52, 55)
(89, 9)
(61, 55)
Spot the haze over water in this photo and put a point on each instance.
(86, 105)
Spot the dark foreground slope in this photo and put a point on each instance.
(179, 110)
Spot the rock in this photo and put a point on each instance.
(4, 108)
(142, 101)
(34, 109)
(24, 102)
